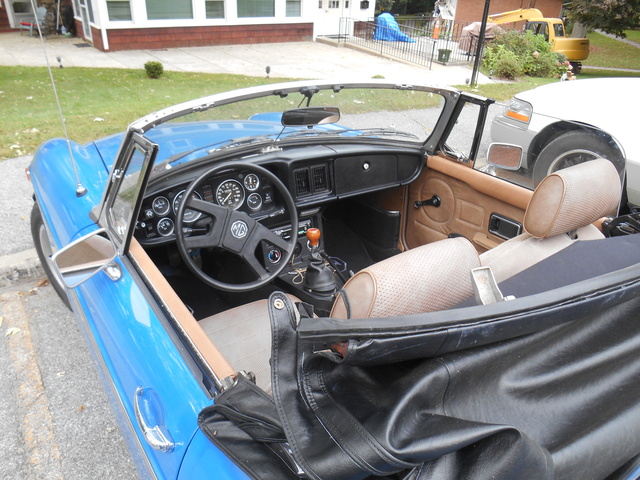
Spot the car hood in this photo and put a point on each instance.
(605, 103)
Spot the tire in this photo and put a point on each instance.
(44, 248)
(572, 148)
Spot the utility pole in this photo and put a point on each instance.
(479, 47)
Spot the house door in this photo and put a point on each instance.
(85, 12)
(330, 12)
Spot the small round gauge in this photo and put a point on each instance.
(161, 205)
(254, 201)
(189, 215)
(165, 226)
(251, 182)
(230, 194)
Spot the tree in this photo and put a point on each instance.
(612, 16)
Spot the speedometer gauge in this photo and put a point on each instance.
(230, 194)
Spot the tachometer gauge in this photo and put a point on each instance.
(251, 182)
(189, 215)
(230, 194)
(165, 226)
(254, 201)
(161, 205)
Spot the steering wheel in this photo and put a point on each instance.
(235, 231)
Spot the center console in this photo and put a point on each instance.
(311, 275)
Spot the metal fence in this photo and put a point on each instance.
(426, 41)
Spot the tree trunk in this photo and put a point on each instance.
(579, 30)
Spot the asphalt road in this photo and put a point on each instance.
(56, 420)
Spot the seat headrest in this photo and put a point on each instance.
(432, 277)
(572, 198)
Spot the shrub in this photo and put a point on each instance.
(529, 54)
(507, 65)
(154, 69)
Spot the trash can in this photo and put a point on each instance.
(443, 55)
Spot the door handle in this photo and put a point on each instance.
(147, 404)
(432, 202)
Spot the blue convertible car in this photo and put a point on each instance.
(327, 280)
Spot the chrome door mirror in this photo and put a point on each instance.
(503, 155)
(83, 258)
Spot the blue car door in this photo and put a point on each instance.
(147, 369)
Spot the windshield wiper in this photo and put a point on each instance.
(241, 141)
(356, 132)
(234, 142)
(378, 131)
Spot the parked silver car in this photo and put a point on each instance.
(565, 123)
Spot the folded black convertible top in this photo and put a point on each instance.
(542, 387)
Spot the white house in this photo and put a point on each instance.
(112, 25)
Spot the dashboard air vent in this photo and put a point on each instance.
(319, 178)
(303, 186)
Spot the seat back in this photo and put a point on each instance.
(428, 278)
(562, 209)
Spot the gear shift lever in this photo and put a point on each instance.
(319, 278)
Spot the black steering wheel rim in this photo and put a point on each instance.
(235, 231)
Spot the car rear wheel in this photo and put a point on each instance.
(572, 148)
(45, 249)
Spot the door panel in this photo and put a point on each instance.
(468, 198)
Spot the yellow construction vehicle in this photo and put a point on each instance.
(575, 49)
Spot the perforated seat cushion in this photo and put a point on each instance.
(572, 198)
(432, 277)
(243, 336)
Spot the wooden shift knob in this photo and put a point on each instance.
(313, 235)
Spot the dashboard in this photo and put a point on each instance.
(242, 191)
(313, 175)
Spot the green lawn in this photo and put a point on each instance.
(30, 115)
(633, 35)
(608, 52)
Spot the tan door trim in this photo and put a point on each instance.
(496, 187)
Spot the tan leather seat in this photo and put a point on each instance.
(428, 278)
(562, 210)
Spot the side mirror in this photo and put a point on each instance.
(83, 258)
(505, 156)
(310, 116)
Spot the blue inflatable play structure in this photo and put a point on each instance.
(387, 29)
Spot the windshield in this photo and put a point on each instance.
(397, 114)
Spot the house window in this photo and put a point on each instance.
(215, 8)
(319, 3)
(256, 8)
(334, 3)
(294, 8)
(119, 10)
(169, 9)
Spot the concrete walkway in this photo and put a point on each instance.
(286, 60)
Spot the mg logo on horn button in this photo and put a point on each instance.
(239, 229)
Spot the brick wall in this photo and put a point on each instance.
(469, 11)
(157, 38)
(4, 20)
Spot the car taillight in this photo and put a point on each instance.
(519, 110)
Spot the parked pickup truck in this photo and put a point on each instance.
(575, 49)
